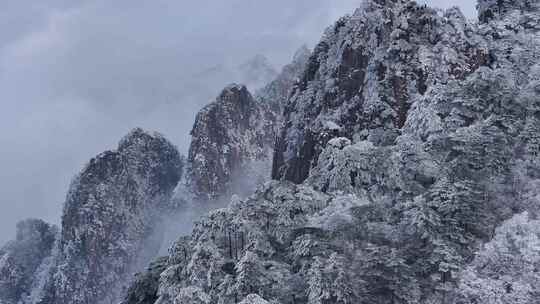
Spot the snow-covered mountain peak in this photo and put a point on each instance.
(138, 137)
(366, 73)
(234, 93)
(233, 137)
(406, 171)
(229, 134)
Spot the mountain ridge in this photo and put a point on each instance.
(403, 210)
(405, 170)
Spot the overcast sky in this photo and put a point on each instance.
(75, 76)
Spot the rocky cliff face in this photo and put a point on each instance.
(412, 144)
(408, 171)
(110, 227)
(367, 72)
(110, 224)
(229, 136)
(233, 138)
(23, 260)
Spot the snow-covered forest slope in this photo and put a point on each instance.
(406, 171)
(404, 151)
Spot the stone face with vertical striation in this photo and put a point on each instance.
(365, 75)
(111, 220)
(233, 137)
(411, 137)
(229, 135)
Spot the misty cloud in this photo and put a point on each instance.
(75, 76)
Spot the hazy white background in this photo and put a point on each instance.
(75, 76)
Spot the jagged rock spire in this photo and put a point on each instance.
(111, 219)
(419, 120)
(228, 134)
(233, 137)
(365, 74)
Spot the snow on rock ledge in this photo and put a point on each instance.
(340, 142)
(111, 219)
(254, 299)
(367, 72)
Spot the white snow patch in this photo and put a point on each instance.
(332, 126)
(337, 212)
(340, 142)
(254, 299)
